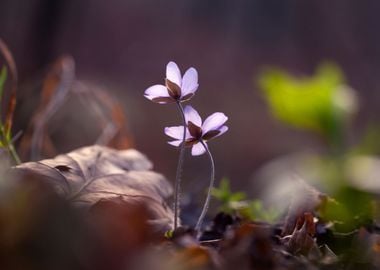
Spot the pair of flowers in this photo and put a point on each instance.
(179, 89)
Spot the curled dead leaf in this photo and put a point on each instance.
(307, 199)
(92, 174)
(301, 241)
(63, 93)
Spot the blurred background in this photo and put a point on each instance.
(124, 46)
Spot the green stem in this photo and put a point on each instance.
(9, 145)
(177, 184)
(13, 153)
(212, 180)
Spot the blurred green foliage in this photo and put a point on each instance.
(320, 103)
(350, 209)
(5, 134)
(255, 210)
(226, 197)
(323, 104)
(3, 78)
(237, 203)
(370, 143)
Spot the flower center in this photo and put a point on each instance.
(195, 131)
(173, 89)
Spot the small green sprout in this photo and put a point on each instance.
(169, 234)
(257, 211)
(237, 203)
(227, 198)
(5, 131)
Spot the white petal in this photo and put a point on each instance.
(173, 73)
(156, 91)
(175, 143)
(198, 149)
(189, 82)
(214, 121)
(176, 132)
(192, 115)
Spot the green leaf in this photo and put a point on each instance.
(319, 103)
(227, 198)
(169, 234)
(222, 193)
(237, 196)
(255, 211)
(370, 143)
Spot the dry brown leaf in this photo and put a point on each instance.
(55, 89)
(305, 199)
(59, 87)
(96, 173)
(109, 113)
(249, 247)
(39, 230)
(194, 257)
(122, 228)
(301, 241)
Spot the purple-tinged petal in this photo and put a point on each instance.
(189, 82)
(156, 91)
(214, 121)
(159, 94)
(176, 132)
(198, 149)
(222, 129)
(173, 73)
(192, 115)
(175, 143)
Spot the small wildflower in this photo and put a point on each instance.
(198, 132)
(176, 88)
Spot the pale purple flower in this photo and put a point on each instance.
(176, 88)
(198, 131)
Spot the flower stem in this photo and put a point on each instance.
(212, 180)
(177, 184)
